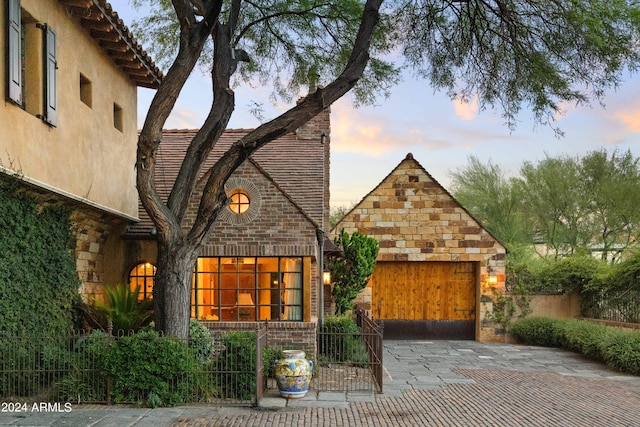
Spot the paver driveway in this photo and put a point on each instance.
(429, 383)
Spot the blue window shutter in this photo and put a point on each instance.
(50, 77)
(14, 52)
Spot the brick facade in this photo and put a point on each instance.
(287, 182)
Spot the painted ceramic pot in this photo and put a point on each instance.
(293, 374)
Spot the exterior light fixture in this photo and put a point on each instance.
(326, 277)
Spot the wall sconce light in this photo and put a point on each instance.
(492, 280)
(326, 277)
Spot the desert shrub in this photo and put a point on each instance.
(340, 341)
(540, 331)
(145, 363)
(236, 365)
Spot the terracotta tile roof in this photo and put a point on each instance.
(295, 166)
(113, 36)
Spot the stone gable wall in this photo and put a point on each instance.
(415, 219)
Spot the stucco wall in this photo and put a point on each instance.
(555, 306)
(85, 156)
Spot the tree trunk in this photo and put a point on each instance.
(172, 288)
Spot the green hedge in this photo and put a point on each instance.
(617, 347)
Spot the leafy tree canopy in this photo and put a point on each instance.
(534, 54)
(509, 54)
(570, 205)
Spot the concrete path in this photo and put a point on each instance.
(429, 383)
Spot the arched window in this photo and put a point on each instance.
(239, 201)
(142, 276)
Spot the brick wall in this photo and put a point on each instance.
(286, 335)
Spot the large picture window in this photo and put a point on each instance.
(248, 289)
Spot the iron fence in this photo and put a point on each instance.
(143, 368)
(149, 369)
(618, 306)
(349, 359)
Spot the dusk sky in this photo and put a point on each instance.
(367, 143)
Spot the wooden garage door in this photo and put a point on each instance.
(439, 298)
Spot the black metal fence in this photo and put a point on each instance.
(349, 359)
(618, 306)
(144, 368)
(372, 337)
(148, 369)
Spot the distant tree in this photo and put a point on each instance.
(351, 270)
(610, 185)
(553, 205)
(494, 200)
(578, 205)
(337, 214)
(534, 54)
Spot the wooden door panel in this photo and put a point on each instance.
(424, 291)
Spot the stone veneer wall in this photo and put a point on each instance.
(415, 219)
(92, 231)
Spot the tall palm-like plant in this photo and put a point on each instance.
(122, 307)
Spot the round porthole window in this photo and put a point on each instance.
(239, 201)
(244, 201)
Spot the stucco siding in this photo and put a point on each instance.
(85, 156)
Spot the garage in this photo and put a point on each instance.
(436, 261)
(426, 300)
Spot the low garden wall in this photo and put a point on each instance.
(563, 306)
(286, 335)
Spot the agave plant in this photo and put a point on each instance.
(122, 307)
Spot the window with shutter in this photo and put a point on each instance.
(50, 76)
(14, 52)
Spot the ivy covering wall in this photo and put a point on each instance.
(38, 279)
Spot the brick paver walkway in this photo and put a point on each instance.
(439, 383)
(470, 384)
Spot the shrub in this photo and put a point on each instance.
(571, 273)
(269, 357)
(540, 331)
(236, 365)
(584, 337)
(352, 269)
(81, 383)
(340, 341)
(122, 307)
(201, 342)
(146, 363)
(618, 348)
(621, 351)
